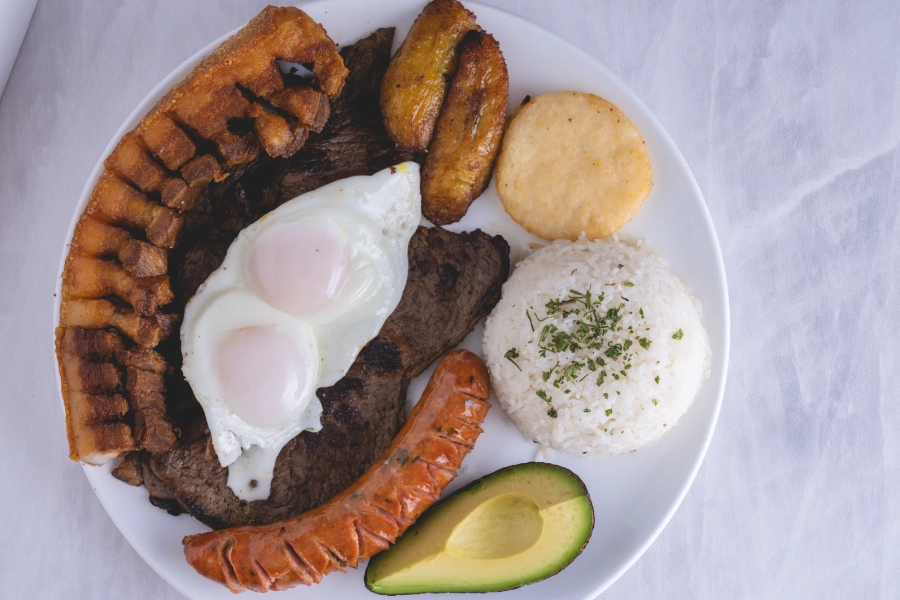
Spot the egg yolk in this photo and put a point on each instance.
(265, 377)
(298, 268)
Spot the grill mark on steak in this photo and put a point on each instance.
(454, 280)
(382, 355)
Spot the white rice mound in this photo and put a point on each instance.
(619, 415)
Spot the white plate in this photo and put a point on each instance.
(634, 496)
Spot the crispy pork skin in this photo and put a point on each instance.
(233, 107)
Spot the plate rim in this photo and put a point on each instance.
(718, 379)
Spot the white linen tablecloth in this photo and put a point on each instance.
(789, 116)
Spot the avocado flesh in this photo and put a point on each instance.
(516, 526)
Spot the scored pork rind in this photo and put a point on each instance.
(115, 286)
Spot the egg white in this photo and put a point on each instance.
(378, 215)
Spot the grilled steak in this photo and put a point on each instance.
(454, 281)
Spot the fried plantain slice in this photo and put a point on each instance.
(415, 83)
(467, 137)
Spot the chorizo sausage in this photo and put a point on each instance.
(373, 512)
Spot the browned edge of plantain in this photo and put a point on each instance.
(415, 83)
(466, 141)
(115, 281)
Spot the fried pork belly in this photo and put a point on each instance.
(233, 105)
(130, 470)
(100, 416)
(97, 278)
(95, 408)
(147, 392)
(100, 314)
(94, 238)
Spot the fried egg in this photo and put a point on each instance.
(299, 294)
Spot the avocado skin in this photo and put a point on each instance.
(433, 521)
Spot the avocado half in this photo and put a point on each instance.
(513, 527)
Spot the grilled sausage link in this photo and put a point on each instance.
(369, 515)
(467, 137)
